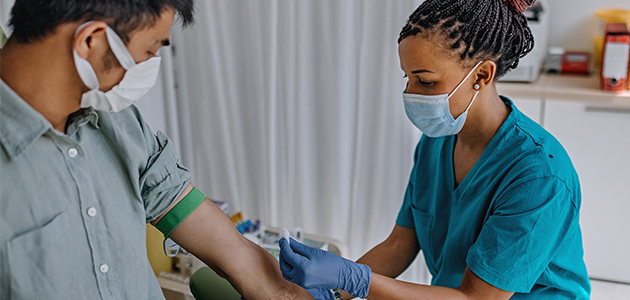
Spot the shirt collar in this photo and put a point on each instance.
(80, 118)
(20, 124)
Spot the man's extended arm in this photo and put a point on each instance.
(210, 235)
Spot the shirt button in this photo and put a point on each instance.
(104, 268)
(72, 152)
(91, 211)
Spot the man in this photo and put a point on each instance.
(78, 184)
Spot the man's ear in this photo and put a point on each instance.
(485, 74)
(90, 36)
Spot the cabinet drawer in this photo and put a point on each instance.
(597, 137)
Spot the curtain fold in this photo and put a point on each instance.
(292, 112)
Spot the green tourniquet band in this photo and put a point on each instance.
(180, 212)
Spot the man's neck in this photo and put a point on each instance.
(43, 74)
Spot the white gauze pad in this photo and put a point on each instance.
(286, 235)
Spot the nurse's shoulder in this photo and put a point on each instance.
(545, 154)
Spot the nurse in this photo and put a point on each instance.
(493, 200)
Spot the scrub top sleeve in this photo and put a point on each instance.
(164, 179)
(405, 215)
(517, 242)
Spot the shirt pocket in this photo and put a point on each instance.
(37, 262)
(423, 223)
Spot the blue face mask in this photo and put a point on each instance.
(431, 113)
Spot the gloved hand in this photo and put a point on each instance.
(315, 268)
(321, 294)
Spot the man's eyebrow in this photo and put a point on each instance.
(420, 71)
(166, 42)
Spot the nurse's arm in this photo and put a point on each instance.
(471, 288)
(392, 257)
(210, 235)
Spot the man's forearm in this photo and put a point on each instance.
(210, 235)
(266, 269)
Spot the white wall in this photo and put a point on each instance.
(572, 22)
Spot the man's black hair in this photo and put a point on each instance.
(477, 30)
(34, 19)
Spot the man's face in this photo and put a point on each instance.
(143, 44)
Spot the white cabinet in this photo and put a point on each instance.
(597, 137)
(531, 107)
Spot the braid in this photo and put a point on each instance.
(493, 30)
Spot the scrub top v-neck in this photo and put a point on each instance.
(513, 220)
(450, 144)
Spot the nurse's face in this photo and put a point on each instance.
(432, 70)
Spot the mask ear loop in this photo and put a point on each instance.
(473, 100)
(463, 81)
(120, 49)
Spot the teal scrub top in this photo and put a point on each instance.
(513, 220)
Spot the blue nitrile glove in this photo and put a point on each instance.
(315, 268)
(321, 294)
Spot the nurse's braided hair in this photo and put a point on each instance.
(477, 30)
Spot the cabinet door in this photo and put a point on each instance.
(597, 137)
(531, 107)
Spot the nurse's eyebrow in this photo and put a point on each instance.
(420, 71)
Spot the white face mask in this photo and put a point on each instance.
(431, 113)
(138, 79)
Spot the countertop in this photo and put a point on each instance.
(565, 87)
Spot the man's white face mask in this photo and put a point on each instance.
(138, 79)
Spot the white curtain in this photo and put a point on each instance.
(5, 14)
(292, 112)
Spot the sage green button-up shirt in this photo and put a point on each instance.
(73, 206)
